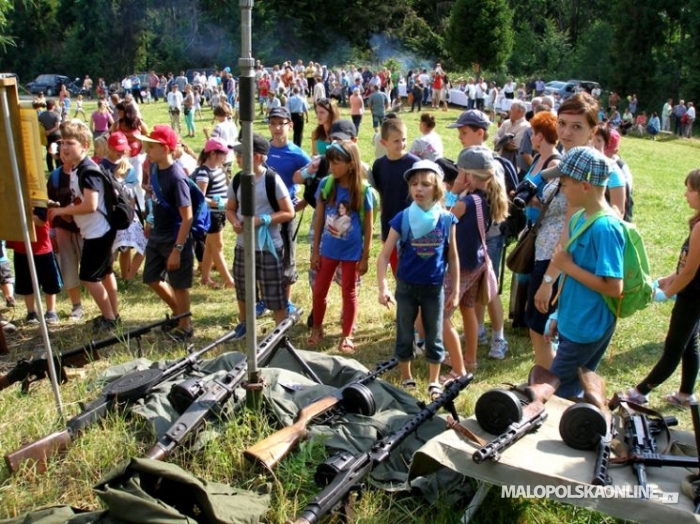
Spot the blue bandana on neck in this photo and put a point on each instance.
(423, 222)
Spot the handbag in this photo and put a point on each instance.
(522, 258)
(483, 290)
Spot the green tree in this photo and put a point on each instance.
(480, 33)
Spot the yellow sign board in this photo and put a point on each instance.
(24, 130)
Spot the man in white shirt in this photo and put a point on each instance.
(515, 125)
(690, 115)
(175, 107)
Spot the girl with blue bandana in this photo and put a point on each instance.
(343, 234)
(425, 234)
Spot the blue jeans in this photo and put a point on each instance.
(494, 247)
(572, 355)
(430, 299)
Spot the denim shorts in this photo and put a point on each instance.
(429, 299)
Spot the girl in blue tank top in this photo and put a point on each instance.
(681, 344)
(425, 232)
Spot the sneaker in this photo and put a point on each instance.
(680, 400)
(240, 330)
(291, 308)
(181, 335)
(482, 339)
(32, 318)
(76, 314)
(101, 324)
(635, 396)
(498, 350)
(260, 308)
(51, 317)
(8, 327)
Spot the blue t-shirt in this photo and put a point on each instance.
(423, 261)
(286, 160)
(616, 178)
(583, 315)
(393, 189)
(469, 246)
(175, 189)
(343, 233)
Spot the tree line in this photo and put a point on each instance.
(647, 47)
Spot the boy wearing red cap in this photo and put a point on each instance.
(169, 250)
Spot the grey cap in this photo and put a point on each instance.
(261, 145)
(472, 117)
(280, 112)
(424, 165)
(476, 158)
(342, 130)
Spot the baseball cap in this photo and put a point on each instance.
(118, 142)
(476, 158)
(135, 147)
(581, 163)
(342, 130)
(472, 117)
(280, 112)
(613, 142)
(161, 134)
(424, 165)
(261, 145)
(216, 144)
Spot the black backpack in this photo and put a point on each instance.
(120, 213)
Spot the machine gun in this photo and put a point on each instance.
(356, 397)
(344, 473)
(117, 394)
(199, 400)
(513, 413)
(30, 370)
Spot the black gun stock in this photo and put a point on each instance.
(30, 370)
(212, 395)
(345, 472)
(120, 393)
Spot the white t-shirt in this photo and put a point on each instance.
(175, 100)
(92, 225)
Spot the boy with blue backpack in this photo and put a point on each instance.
(592, 267)
(169, 249)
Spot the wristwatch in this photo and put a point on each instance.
(548, 279)
(180, 247)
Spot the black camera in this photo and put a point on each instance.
(524, 193)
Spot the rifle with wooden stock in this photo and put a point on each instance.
(118, 394)
(30, 370)
(344, 473)
(513, 413)
(355, 396)
(198, 400)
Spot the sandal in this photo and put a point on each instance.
(315, 337)
(409, 384)
(211, 284)
(446, 379)
(679, 400)
(434, 390)
(346, 346)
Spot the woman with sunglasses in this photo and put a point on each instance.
(326, 114)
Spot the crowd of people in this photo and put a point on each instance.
(441, 223)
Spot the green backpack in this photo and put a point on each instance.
(637, 288)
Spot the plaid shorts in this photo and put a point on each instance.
(269, 275)
(468, 286)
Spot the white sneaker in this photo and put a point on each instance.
(635, 396)
(499, 346)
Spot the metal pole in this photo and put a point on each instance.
(246, 92)
(30, 256)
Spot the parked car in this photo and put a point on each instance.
(553, 87)
(570, 88)
(50, 85)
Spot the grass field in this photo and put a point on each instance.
(661, 214)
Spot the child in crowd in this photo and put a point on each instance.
(426, 233)
(89, 213)
(169, 251)
(47, 272)
(211, 179)
(117, 162)
(592, 267)
(335, 244)
(99, 149)
(7, 281)
(269, 270)
(79, 108)
(486, 202)
(681, 345)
